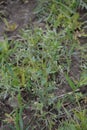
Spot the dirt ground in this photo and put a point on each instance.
(16, 12)
(22, 14)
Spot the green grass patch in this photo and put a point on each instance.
(33, 62)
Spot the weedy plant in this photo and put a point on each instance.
(31, 63)
(78, 123)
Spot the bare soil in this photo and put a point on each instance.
(15, 11)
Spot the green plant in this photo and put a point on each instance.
(33, 63)
(71, 83)
(15, 118)
(83, 4)
(78, 123)
(43, 50)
